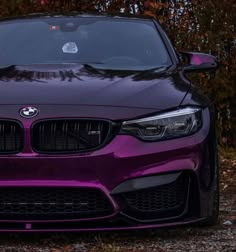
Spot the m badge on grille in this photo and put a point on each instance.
(94, 132)
(29, 112)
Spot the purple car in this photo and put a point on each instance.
(100, 129)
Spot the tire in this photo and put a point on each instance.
(213, 219)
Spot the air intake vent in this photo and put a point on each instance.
(166, 201)
(53, 203)
(11, 137)
(68, 136)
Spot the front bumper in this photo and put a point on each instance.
(125, 158)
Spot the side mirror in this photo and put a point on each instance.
(198, 62)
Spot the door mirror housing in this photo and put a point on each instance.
(198, 62)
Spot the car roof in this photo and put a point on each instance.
(76, 14)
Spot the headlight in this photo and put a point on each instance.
(174, 124)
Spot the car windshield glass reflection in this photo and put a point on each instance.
(119, 44)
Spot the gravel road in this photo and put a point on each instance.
(221, 237)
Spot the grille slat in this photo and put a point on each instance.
(46, 203)
(67, 136)
(11, 137)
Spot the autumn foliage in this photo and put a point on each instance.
(193, 25)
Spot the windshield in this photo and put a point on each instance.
(105, 43)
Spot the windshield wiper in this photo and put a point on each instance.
(6, 66)
(84, 62)
(157, 69)
(91, 68)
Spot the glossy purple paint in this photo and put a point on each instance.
(89, 89)
(199, 62)
(115, 96)
(124, 158)
(201, 58)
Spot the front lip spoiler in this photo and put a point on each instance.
(12, 221)
(29, 228)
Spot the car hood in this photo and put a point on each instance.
(73, 84)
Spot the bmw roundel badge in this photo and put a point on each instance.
(29, 112)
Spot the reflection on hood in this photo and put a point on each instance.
(84, 84)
